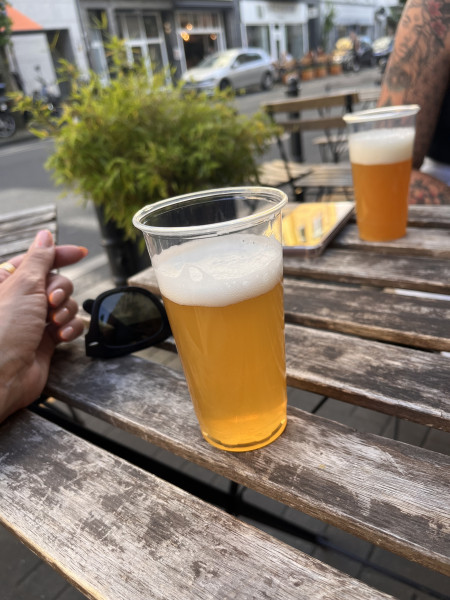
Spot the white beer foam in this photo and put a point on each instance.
(219, 271)
(381, 146)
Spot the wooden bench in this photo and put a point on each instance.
(117, 532)
(18, 229)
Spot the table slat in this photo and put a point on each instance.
(117, 532)
(413, 321)
(418, 241)
(405, 383)
(420, 273)
(389, 493)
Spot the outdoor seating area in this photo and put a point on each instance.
(113, 529)
(324, 115)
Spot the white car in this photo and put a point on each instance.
(236, 68)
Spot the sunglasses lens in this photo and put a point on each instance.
(128, 317)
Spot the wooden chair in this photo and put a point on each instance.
(288, 115)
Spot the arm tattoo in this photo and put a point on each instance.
(424, 26)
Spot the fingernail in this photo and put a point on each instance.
(56, 297)
(61, 316)
(66, 333)
(44, 239)
(84, 250)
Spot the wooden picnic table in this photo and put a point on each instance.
(116, 531)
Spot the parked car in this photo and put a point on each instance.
(343, 54)
(382, 48)
(236, 68)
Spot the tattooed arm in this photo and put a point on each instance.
(418, 72)
(419, 68)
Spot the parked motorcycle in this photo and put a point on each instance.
(382, 48)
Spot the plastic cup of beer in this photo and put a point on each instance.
(380, 145)
(217, 256)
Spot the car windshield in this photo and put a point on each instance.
(217, 60)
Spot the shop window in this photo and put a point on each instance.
(156, 59)
(132, 27)
(151, 26)
(295, 40)
(258, 37)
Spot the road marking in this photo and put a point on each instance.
(10, 150)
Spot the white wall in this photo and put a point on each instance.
(32, 49)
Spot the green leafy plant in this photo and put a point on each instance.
(136, 140)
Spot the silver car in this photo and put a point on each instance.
(236, 68)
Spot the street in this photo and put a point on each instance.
(26, 183)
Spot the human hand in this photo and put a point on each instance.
(36, 313)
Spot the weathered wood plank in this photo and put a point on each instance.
(418, 241)
(421, 273)
(409, 384)
(117, 532)
(294, 105)
(415, 322)
(429, 216)
(389, 493)
(18, 228)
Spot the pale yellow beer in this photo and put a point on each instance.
(224, 299)
(381, 166)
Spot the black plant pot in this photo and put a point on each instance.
(125, 256)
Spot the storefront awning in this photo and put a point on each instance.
(20, 22)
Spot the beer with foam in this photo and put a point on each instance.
(381, 165)
(380, 144)
(224, 299)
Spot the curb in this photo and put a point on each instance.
(20, 135)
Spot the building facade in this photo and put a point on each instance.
(175, 33)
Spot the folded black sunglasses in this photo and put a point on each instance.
(124, 320)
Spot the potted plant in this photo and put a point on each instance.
(307, 70)
(321, 63)
(139, 139)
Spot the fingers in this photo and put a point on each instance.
(64, 325)
(59, 288)
(64, 256)
(68, 255)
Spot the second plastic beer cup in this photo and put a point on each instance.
(380, 147)
(217, 257)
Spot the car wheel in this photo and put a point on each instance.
(267, 81)
(224, 85)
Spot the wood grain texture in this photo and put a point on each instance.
(117, 532)
(19, 228)
(429, 216)
(410, 384)
(387, 492)
(420, 273)
(413, 321)
(311, 103)
(417, 242)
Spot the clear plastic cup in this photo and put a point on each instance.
(380, 147)
(218, 260)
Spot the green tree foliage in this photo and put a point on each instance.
(137, 140)
(5, 25)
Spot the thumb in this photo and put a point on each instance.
(41, 255)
